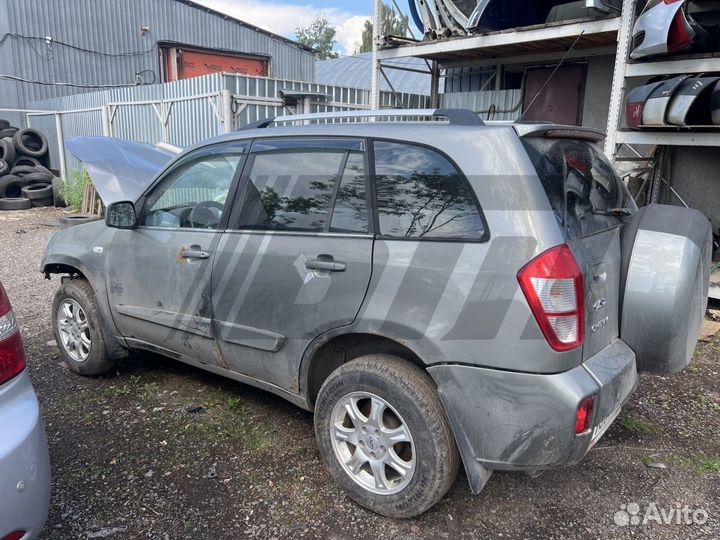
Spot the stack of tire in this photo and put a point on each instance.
(25, 179)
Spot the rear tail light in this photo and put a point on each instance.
(12, 355)
(17, 535)
(584, 415)
(679, 37)
(553, 286)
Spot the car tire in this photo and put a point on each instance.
(57, 190)
(11, 186)
(47, 201)
(81, 346)
(30, 142)
(26, 161)
(411, 405)
(4, 167)
(8, 132)
(4, 124)
(76, 219)
(25, 170)
(7, 151)
(37, 191)
(38, 178)
(15, 203)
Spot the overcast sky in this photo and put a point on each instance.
(284, 16)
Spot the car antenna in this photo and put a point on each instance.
(550, 78)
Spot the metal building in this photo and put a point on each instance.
(126, 42)
(406, 75)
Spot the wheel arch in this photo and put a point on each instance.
(331, 352)
(116, 346)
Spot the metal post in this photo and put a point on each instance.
(105, 117)
(61, 144)
(375, 84)
(228, 118)
(618, 83)
(435, 86)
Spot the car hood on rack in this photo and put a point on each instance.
(120, 170)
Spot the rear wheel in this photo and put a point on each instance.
(77, 328)
(384, 436)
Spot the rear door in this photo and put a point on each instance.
(297, 259)
(590, 203)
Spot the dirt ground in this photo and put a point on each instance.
(159, 450)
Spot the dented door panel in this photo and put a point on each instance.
(270, 303)
(168, 304)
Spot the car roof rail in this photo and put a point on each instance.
(455, 117)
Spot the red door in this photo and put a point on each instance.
(561, 100)
(197, 63)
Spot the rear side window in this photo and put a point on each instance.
(584, 190)
(305, 185)
(420, 194)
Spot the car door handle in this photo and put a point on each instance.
(325, 263)
(194, 252)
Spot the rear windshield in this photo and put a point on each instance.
(584, 190)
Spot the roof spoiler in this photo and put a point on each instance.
(552, 131)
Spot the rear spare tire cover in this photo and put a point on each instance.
(665, 280)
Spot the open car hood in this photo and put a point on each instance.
(120, 170)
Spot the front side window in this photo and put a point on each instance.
(193, 195)
(420, 194)
(305, 185)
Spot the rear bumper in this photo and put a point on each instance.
(526, 422)
(24, 460)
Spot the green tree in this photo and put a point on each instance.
(319, 35)
(392, 25)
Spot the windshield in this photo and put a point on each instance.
(584, 190)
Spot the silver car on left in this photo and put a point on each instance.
(24, 456)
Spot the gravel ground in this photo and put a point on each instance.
(159, 450)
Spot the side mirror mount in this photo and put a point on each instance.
(121, 215)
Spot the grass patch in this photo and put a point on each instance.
(73, 188)
(237, 406)
(708, 464)
(149, 390)
(635, 425)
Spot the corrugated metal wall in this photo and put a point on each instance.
(114, 28)
(259, 98)
(491, 104)
(134, 118)
(193, 105)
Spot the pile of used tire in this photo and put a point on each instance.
(25, 179)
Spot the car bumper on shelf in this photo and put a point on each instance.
(24, 461)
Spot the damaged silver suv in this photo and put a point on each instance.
(437, 290)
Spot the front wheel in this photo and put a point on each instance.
(77, 328)
(384, 436)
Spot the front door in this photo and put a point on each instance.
(159, 273)
(297, 260)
